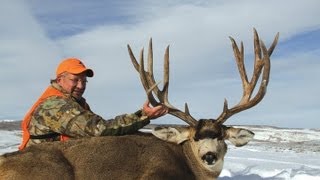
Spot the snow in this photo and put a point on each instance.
(9, 141)
(275, 153)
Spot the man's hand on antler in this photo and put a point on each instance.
(154, 112)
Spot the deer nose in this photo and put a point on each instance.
(210, 158)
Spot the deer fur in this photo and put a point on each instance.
(170, 155)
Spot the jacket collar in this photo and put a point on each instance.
(59, 88)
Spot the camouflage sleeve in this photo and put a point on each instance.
(69, 118)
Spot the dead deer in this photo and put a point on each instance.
(193, 152)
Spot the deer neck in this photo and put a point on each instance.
(195, 163)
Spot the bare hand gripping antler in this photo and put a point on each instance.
(261, 64)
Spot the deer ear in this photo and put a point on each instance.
(170, 134)
(238, 136)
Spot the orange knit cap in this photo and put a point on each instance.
(73, 66)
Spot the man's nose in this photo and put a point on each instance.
(81, 84)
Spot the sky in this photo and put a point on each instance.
(36, 35)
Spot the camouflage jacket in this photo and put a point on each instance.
(65, 115)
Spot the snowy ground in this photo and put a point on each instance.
(274, 153)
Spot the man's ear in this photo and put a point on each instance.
(238, 136)
(59, 79)
(170, 134)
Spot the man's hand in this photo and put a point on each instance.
(154, 112)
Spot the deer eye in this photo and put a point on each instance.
(207, 134)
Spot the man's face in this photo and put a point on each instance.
(75, 84)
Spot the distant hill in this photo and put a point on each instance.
(10, 125)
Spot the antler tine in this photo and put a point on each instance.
(150, 76)
(185, 116)
(148, 82)
(142, 73)
(274, 44)
(133, 59)
(262, 61)
(165, 89)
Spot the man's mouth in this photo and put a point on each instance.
(78, 92)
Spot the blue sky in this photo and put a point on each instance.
(36, 34)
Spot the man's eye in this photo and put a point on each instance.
(83, 81)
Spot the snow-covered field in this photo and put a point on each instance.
(275, 153)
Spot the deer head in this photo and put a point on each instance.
(207, 136)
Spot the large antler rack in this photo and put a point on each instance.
(261, 64)
(151, 87)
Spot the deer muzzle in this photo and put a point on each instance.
(210, 158)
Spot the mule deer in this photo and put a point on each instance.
(195, 151)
